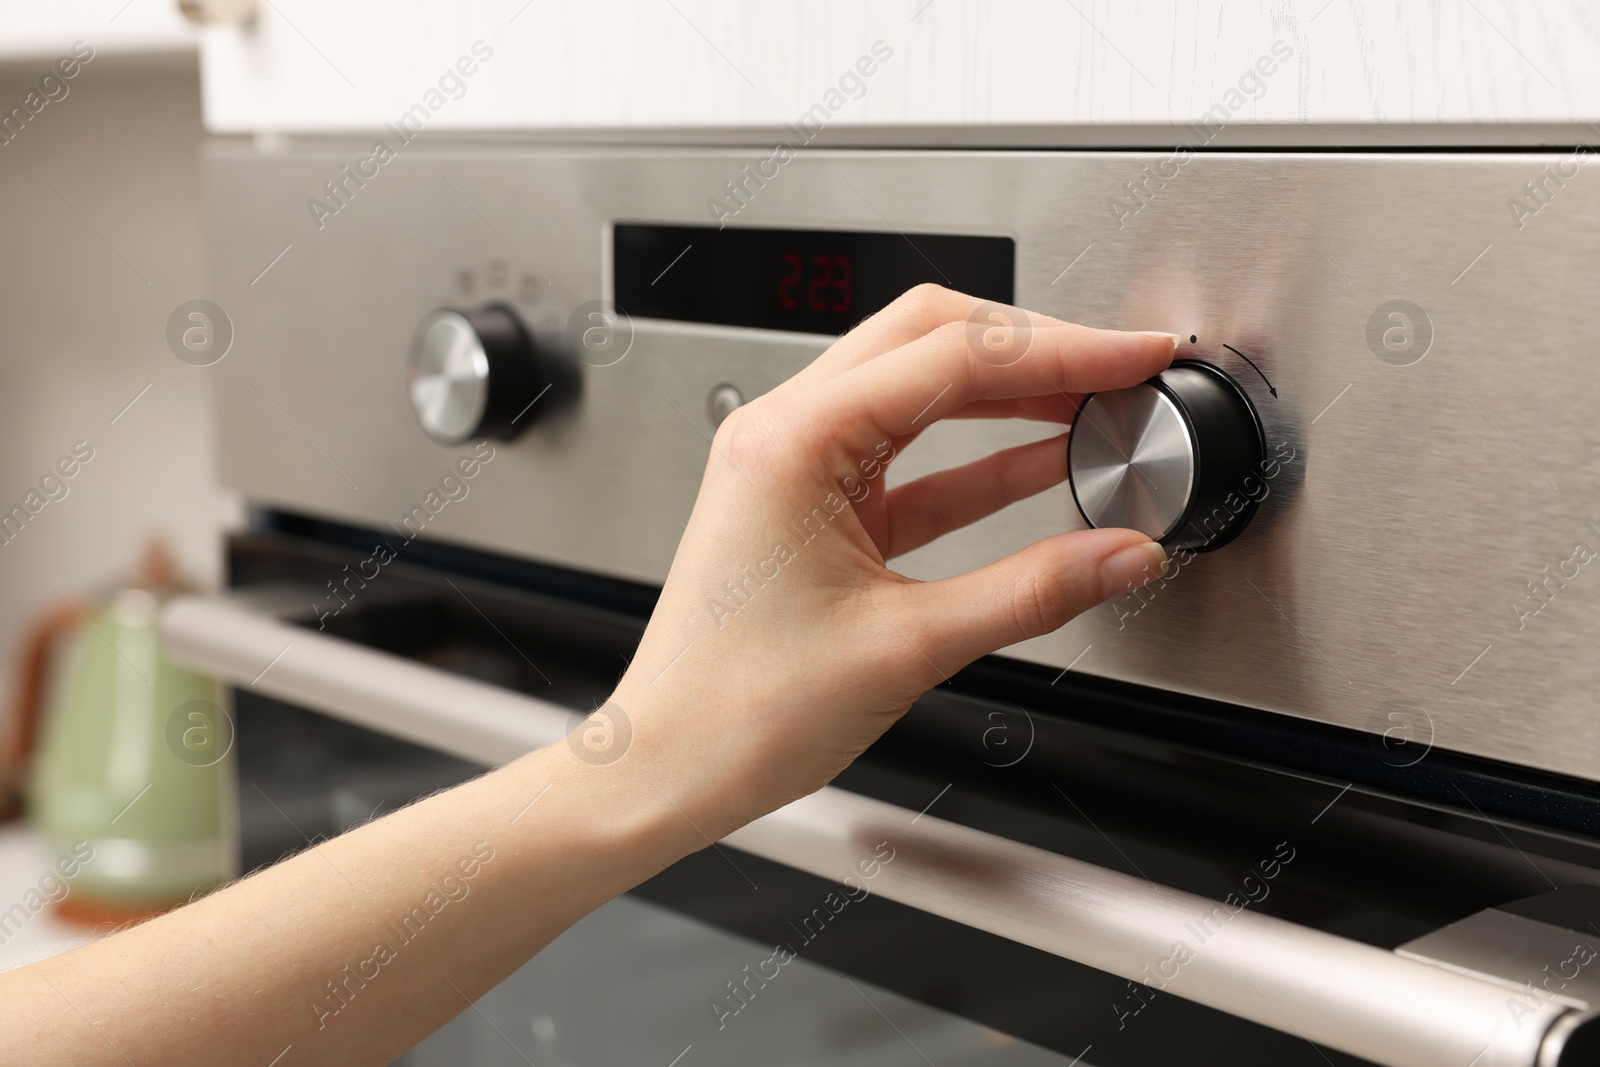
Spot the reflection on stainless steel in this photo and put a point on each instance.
(1540, 960)
(1388, 1008)
(1385, 552)
(1330, 990)
(473, 720)
(1133, 461)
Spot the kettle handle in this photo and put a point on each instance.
(36, 649)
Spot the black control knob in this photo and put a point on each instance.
(474, 374)
(1175, 458)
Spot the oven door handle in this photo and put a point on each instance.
(1336, 992)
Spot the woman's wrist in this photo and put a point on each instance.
(680, 751)
(621, 806)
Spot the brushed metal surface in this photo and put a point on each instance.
(1413, 507)
(448, 377)
(1132, 461)
(1379, 1005)
(1539, 960)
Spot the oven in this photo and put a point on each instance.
(1325, 793)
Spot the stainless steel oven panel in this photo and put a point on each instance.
(1372, 590)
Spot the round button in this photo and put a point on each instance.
(1171, 457)
(721, 403)
(472, 374)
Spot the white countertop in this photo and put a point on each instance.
(24, 859)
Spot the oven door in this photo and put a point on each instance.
(1007, 877)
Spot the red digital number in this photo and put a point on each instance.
(835, 274)
(786, 298)
(841, 284)
(819, 283)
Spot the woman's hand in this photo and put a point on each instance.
(783, 645)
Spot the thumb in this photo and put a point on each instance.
(1034, 591)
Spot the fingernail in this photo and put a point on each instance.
(1174, 338)
(1132, 566)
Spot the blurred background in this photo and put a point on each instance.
(102, 216)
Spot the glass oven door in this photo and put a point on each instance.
(1045, 887)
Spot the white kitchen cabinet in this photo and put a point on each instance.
(1083, 71)
(34, 30)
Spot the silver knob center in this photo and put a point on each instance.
(448, 377)
(1133, 461)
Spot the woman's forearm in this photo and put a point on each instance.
(355, 950)
(780, 648)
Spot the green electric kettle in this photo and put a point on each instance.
(134, 775)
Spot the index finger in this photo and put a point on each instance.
(919, 310)
(942, 372)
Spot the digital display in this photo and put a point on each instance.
(808, 281)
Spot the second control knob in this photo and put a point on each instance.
(473, 374)
(1170, 457)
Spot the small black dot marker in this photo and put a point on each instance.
(1193, 339)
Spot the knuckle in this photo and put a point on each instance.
(924, 305)
(924, 296)
(756, 434)
(1030, 473)
(741, 431)
(941, 513)
(732, 428)
(1042, 605)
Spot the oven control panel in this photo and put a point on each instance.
(1375, 461)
